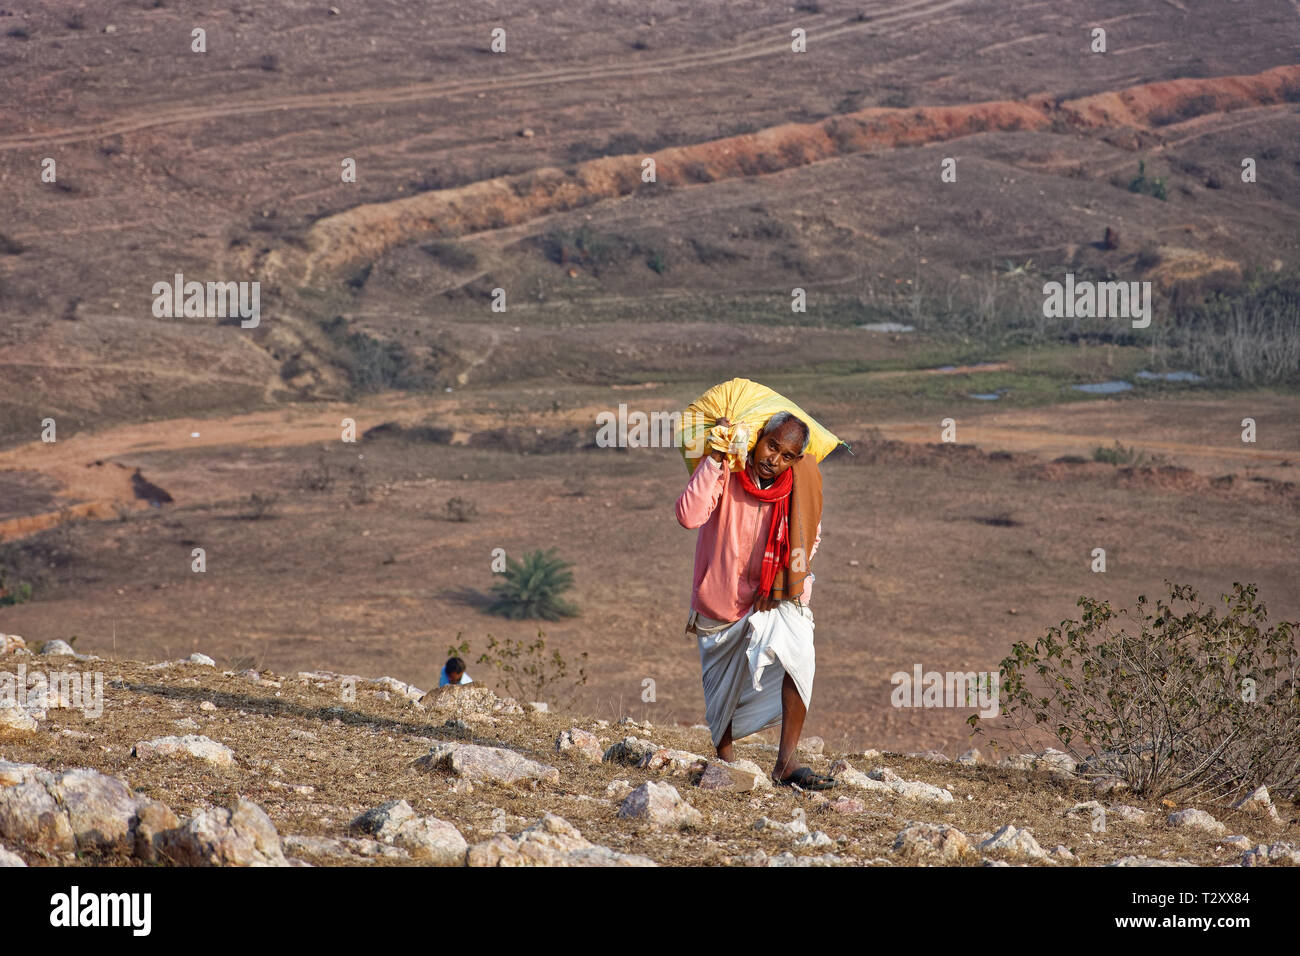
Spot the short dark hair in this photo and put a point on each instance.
(454, 666)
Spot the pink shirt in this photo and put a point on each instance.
(729, 550)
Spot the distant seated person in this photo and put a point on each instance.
(453, 672)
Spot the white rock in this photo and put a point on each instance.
(1128, 814)
(618, 789)
(425, 838)
(1267, 855)
(1051, 759)
(814, 840)
(932, 839)
(398, 687)
(1016, 842)
(1147, 861)
(202, 659)
(483, 764)
(190, 746)
(8, 859)
(61, 648)
(673, 762)
(798, 826)
(551, 841)
(580, 743)
(11, 644)
(1260, 804)
(1193, 819)
(786, 858)
(242, 836)
(16, 721)
(1084, 809)
(659, 804)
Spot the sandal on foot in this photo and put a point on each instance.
(807, 779)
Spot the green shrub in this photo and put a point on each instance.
(1148, 187)
(1186, 701)
(527, 672)
(1117, 454)
(261, 505)
(18, 593)
(458, 509)
(531, 588)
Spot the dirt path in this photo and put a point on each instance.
(93, 473)
(364, 233)
(773, 41)
(93, 470)
(1051, 444)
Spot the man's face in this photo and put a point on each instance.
(455, 676)
(776, 451)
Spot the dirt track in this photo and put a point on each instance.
(92, 471)
(761, 46)
(366, 232)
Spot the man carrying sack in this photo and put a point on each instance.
(759, 528)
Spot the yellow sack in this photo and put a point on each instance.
(748, 406)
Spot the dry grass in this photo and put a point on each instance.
(362, 755)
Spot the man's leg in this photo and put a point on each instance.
(793, 713)
(725, 750)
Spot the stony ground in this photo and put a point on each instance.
(190, 764)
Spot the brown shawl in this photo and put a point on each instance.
(805, 515)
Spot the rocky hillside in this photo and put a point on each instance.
(189, 764)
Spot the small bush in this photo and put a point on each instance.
(1148, 187)
(1147, 258)
(657, 261)
(585, 247)
(261, 506)
(458, 509)
(360, 489)
(1117, 454)
(526, 671)
(531, 588)
(19, 592)
(317, 478)
(1190, 702)
(453, 255)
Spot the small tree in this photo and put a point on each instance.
(531, 588)
(1188, 702)
(525, 671)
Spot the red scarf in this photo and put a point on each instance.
(776, 551)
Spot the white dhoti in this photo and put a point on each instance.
(743, 665)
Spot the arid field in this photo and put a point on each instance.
(499, 273)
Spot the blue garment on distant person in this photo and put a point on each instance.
(443, 681)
